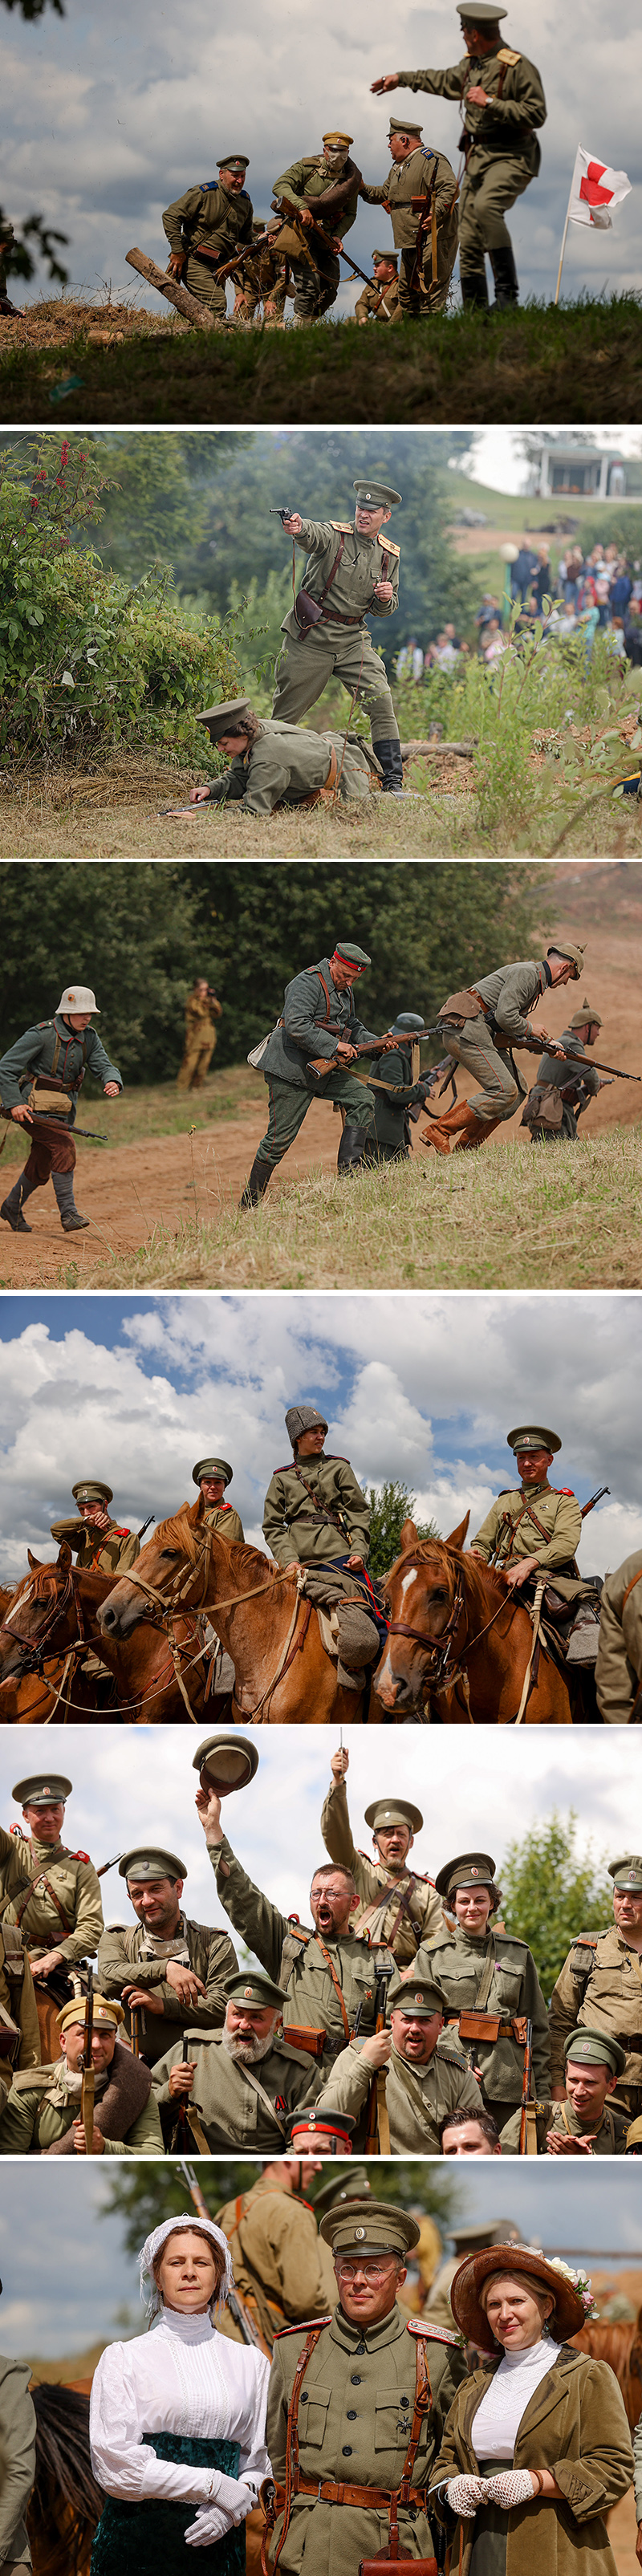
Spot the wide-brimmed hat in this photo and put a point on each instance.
(468, 2281)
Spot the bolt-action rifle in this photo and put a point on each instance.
(88, 2086)
(550, 1046)
(292, 216)
(321, 1065)
(235, 2304)
(526, 2089)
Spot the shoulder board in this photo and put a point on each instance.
(17, 1829)
(589, 1940)
(506, 55)
(506, 1489)
(207, 184)
(344, 527)
(304, 2327)
(33, 2078)
(562, 1489)
(118, 1530)
(453, 2056)
(387, 544)
(436, 2334)
(299, 1928)
(44, 1024)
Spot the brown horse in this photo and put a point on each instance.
(283, 1675)
(53, 1619)
(458, 1635)
(65, 2504)
(621, 2345)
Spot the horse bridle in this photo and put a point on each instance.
(436, 1648)
(34, 1648)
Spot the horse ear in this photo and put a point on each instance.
(64, 1554)
(409, 1537)
(34, 1562)
(197, 1509)
(457, 1536)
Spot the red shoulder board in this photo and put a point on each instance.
(15, 1829)
(80, 1856)
(424, 2326)
(563, 1489)
(117, 1532)
(305, 2327)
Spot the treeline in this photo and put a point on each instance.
(140, 935)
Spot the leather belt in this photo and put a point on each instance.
(326, 2491)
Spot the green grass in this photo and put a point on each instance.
(579, 362)
(515, 1217)
(158, 1109)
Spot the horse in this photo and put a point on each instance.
(52, 1621)
(65, 2503)
(621, 2345)
(283, 1675)
(458, 1633)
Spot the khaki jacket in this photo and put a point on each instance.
(292, 1528)
(307, 182)
(377, 1912)
(287, 763)
(361, 566)
(609, 2139)
(17, 1996)
(73, 1881)
(510, 1530)
(382, 302)
(223, 1518)
(281, 2266)
(293, 1956)
(417, 2097)
(516, 104)
(458, 1963)
(600, 1985)
(618, 1670)
(212, 220)
(416, 177)
(230, 2110)
(18, 2456)
(111, 1552)
(41, 2111)
(201, 1013)
(575, 2424)
(354, 2424)
(125, 1958)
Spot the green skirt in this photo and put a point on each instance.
(491, 2531)
(145, 2539)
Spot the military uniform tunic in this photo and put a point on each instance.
(618, 1671)
(35, 1051)
(223, 1518)
(282, 2267)
(304, 1031)
(391, 1140)
(355, 2417)
(41, 2112)
(509, 994)
(339, 642)
(459, 1963)
(225, 2099)
(417, 2097)
(297, 1958)
(17, 1998)
(609, 2139)
(553, 1115)
(291, 1527)
(600, 1985)
(128, 1955)
(213, 222)
(379, 303)
(422, 172)
(202, 1010)
(96, 1551)
(312, 184)
(502, 152)
(286, 765)
(511, 1532)
(401, 1908)
(18, 2452)
(60, 1879)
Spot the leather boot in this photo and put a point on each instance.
(474, 1131)
(256, 1184)
(389, 754)
(474, 289)
(12, 1207)
(506, 279)
(351, 1148)
(70, 1218)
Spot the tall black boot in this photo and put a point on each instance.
(389, 754)
(506, 279)
(12, 1206)
(474, 289)
(70, 1218)
(256, 1183)
(351, 1147)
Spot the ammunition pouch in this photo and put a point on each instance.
(466, 1005)
(311, 2042)
(49, 1098)
(489, 2026)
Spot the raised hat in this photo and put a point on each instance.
(333, 2129)
(211, 1467)
(90, 1490)
(370, 2227)
(468, 1869)
(337, 138)
(587, 2047)
(106, 2011)
(148, 1860)
(221, 719)
(352, 2185)
(380, 495)
(627, 1873)
(531, 1435)
(407, 1024)
(233, 161)
(348, 953)
(465, 2302)
(420, 1996)
(78, 997)
(390, 255)
(252, 1987)
(564, 948)
(40, 1792)
(303, 1417)
(394, 1811)
(583, 1013)
(404, 125)
(230, 1761)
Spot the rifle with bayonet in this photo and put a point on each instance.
(526, 2089)
(234, 2303)
(88, 2085)
(292, 216)
(319, 1066)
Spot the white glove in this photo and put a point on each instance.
(511, 2486)
(234, 2500)
(464, 2494)
(211, 2524)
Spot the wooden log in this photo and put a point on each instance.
(438, 750)
(197, 314)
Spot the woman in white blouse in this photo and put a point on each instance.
(177, 2420)
(536, 2448)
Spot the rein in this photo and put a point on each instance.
(443, 1677)
(34, 1656)
(165, 1602)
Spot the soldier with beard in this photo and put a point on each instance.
(236, 2089)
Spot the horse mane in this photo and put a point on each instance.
(483, 1588)
(182, 1528)
(63, 2479)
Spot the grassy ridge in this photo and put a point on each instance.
(579, 362)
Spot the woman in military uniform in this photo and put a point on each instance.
(483, 1971)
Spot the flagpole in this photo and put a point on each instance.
(559, 272)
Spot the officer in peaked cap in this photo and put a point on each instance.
(419, 2070)
(396, 1089)
(351, 2184)
(318, 196)
(205, 227)
(420, 195)
(380, 299)
(503, 103)
(599, 1988)
(51, 1894)
(586, 2123)
(238, 2088)
(212, 1475)
(498, 1005)
(275, 763)
(318, 1020)
(326, 2133)
(535, 1528)
(168, 1971)
(351, 573)
(395, 1903)
(100, 1544)
(345, 2458)
(470, 1957)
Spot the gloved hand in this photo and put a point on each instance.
(234, 2500)
(211, 2524)
(464, 2494)
(511, 2486)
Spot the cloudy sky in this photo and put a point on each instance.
(109, 115)
(67, 2278)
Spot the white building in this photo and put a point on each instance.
(593, 472)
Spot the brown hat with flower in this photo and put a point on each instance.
(570, 2312)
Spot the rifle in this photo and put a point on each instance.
(294, 218)
(526, 2087)
(377, 2101)
(151, 1516)
(181, 2136)
(88, 2085)
(546, 1046)
(241, 257)
(595, 1498)
(109, 1864)
(320, 1065)
(58, 1124)
(235, 2304)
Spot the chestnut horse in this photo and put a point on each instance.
(459, 1635)
(65, 2504)
(283, 1675)
(621, 2345)
(53, 1615)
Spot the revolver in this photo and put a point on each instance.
(282, 515)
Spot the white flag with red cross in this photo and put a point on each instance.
(595, 190)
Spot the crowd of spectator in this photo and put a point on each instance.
(586, 592)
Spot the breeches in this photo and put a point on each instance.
(482, 207)
(288, 1106)
(202, 283)
(424, 298)
(196, 1061)
(303, 670)
(52, 1150)
(473, 1047)
(315, 289)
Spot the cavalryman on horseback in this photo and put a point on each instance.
(328, 1973)
(100, 1544)
(395, 1903)
(51, 1894)
(316, 1517)
(600, 1988)
(533, 1530)
(483, 1972)
(480, 1025)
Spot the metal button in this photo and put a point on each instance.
(355, 2379)
(347, 2451)
(352, 2415)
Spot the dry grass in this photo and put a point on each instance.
(521, 1217)
(158, 1109)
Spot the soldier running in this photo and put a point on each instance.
(420, 195)
(324, 189)
(318, 1019)
(503, 103)
(351, 572)
(205, 227)
(473, 1021)
(202, 1010)
(557, 1099)
(40, 1080)
(394, 1903)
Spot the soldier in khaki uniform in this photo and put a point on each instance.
(324, 188)
(276, 764)
(212, 1475)
(353, 2427)
(202, 1010)
(351, 572)
(380, 301)
(100, 1545)
(534, 1528)
(503, 103)
(205, 227)
(618, 1671)
(427, 240)
(325, 1973)
(558, 1096)
(50, 1894)
(237, 2088)
(171, 1973)
(282, 2270)
(480, 1971)
(471, 1024)
(585, 2124)
(419, 2071)
(394, 1904)
(43, 2113)
(41, 1077)
(317, 1516)
(600, 1988)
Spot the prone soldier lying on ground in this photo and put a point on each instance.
(43, 2114)
(235, 2089)
(169, 1972)
(274, 763)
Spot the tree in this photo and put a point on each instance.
(17, 258)
(549, 1894)
(155, 2191)
(390, 1505)
(34, 8)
